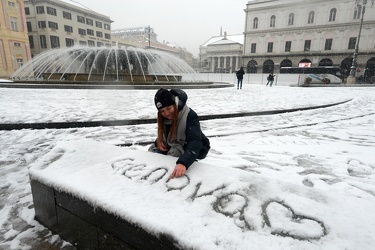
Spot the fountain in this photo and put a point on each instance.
(106, 66)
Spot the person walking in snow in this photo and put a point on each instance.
(179, 131)
(270, 79)
(239, 75)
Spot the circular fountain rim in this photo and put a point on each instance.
(114, 85)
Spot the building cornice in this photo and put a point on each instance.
(314, 28)
(258, 6)
(305, 54)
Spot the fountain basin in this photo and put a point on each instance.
(106, 64)
(56, 84)
(110, 77)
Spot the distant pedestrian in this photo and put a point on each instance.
(239, 75)
(270, 79)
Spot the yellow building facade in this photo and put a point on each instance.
(14, 41)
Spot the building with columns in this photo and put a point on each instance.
(14, 43)
(284, 33)
(221, 54)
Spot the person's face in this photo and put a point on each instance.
(167, 112)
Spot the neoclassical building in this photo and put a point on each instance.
(284, 33)
(14, 43)
(54, 24)
(221, 54)
(145, 37)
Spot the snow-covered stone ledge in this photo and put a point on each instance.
(96, 195)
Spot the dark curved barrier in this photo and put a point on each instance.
(64, 125)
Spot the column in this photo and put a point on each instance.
(231, 64)
(225, 63)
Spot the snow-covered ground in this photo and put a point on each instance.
(312, 173)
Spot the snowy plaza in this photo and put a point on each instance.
(291, 180)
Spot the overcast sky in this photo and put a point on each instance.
(188, 23)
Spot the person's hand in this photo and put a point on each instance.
(179, 170)
(163, 147)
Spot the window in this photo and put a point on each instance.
(288, 46)
(55, 42)
(31, 42)
(11, 4)
(27, 11)
(311, 17)
(42, 24)
(307, 45)
(98, 24)
(100, 44)
(89, 22)
(357, 12)
(67, 15)
(91, 43)
(273, 21)
(80, 19)
(291, 19)
(82, 32)
(83, 43)
(16, 44)
(51, 11)
(14, 23)
(328, 44)
(99, 34)
(253, 48)
(68, 28)
(19, 62)
(270, 47)
(352, 42)
(107, 36)
(29, 27)
(90, 32)
(332, 15)
(53, 25)
(69, 42)
(107, 26)
(40, 9)
(255, 23)
(43, 41)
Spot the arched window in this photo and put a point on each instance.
(273, 21)
(268, 66)
(332, 15)
(357, 12)
(325, 62)
(291, 19)
(311, 17)
(252, 67)
(286, 63)
(255, 23)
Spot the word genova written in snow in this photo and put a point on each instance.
(230, 203)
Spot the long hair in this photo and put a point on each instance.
(161, 126)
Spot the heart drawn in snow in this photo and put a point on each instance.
(283, 221)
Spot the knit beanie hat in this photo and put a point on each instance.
(163, 98)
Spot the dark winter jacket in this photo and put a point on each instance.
(240, 74)
(196, 144)
(271, 77)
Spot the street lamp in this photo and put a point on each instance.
(351, 79)
(148, 32)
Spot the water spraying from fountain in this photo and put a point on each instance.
(103, 64)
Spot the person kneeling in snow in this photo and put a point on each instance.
(179, 131)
